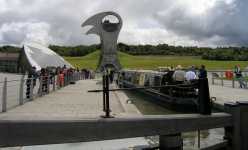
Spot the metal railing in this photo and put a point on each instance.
(10, 68)
(19, 91)
(218, 78)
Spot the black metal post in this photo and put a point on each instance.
(107, 97)
(104, 93)
(204, 97)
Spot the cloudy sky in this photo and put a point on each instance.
(176, 22)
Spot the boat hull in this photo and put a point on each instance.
(181, 104)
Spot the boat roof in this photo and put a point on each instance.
(142, 71)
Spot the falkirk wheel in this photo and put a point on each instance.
(108, 33)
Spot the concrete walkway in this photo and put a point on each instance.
(73, 101)
(227, 94)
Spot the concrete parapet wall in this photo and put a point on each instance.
(51, 131)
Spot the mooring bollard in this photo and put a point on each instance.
(171, 142)
(4, 96)
(204, 103)
(21, 102)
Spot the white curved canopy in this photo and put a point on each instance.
(42, 57)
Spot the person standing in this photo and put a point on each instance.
(179, 75)
(239, 77)
(32, 75)
(44, 80)
(190, 75)
(111, 76)
(61, 79)
(202, 72)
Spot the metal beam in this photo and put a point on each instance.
(149, 87)
(23, 132)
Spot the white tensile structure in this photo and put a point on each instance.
(36, 55)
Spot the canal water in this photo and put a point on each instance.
(147, 106)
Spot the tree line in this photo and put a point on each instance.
(74, 51)
(9, 49)
(219, 53)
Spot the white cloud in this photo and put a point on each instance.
(19, 32)
(187, 22)
(225, 19)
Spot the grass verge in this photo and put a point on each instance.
(152, 62)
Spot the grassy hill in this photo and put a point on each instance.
(152, 62)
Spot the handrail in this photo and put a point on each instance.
(224, 70)
(27, 85)
(243, 80)
(147, 87)
(25, 79)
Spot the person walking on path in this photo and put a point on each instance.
(239, 77)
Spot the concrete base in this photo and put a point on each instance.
(171, 142)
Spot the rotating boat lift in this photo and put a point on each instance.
(108, 33)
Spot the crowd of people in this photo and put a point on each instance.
(180, 75)
(65, 76)
(61, 76)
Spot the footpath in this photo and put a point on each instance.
(223, 94)
(74, 101)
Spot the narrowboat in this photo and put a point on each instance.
(162, 89)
